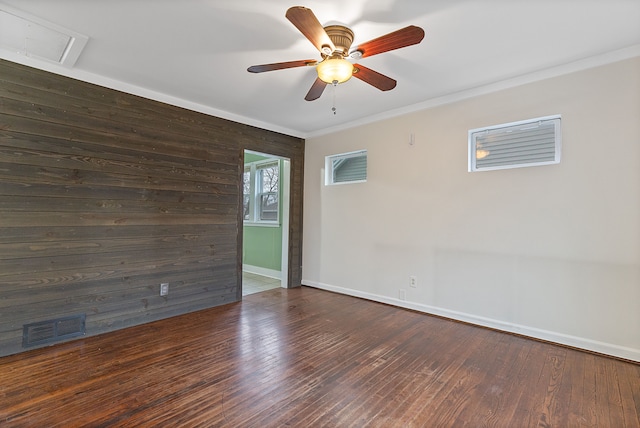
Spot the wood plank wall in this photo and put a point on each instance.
(104, 195)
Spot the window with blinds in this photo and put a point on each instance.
(346, 168)
(518, 144)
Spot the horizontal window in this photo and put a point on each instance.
(346, 168)
(517, 144)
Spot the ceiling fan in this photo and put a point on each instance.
(334, 44)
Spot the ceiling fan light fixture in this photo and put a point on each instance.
(334, 43)
(334, 70)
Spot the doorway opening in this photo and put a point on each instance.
(265, 236)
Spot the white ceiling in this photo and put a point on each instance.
(194, 53)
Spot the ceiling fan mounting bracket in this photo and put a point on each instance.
(342, 38)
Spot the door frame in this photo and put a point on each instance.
(285, 195)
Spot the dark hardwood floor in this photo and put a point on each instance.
(305, 357)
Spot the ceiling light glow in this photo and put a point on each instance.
(335, 70)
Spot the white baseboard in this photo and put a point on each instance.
(262, 271)
(550, 336)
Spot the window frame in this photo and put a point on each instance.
(255, 210)
(330, 171)
(509, 127)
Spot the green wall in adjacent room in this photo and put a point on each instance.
(262, 245)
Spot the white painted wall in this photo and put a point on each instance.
(552, 252)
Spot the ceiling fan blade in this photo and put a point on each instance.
(305, 21)
(281, 65)
(404, 37)
(316, 90)
(374, 78)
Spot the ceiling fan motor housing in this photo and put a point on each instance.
(342, 38)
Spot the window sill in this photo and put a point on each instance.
(260, 224)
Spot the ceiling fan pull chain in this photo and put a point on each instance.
(333, 108)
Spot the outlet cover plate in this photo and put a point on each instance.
(413, 281)
(164, 288)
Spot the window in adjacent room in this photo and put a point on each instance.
(261, 192)
(346, 168)
(518, 144)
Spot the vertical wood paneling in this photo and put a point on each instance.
(104, 195)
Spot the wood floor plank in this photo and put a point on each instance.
(310, 358)
(630, 393)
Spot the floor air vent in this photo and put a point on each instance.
(43, 332)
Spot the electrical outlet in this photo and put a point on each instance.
(413, 281)
(164, 288)
(402, 295)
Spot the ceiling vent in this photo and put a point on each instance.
(518, 144)
(28, 36)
